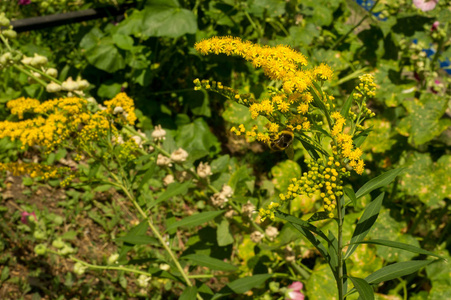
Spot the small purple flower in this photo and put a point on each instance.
(294, 291)
(24, 2)
(425, 5)
(25, 216)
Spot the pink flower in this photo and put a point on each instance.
(435, 25)
(294, 291)
(25, 216)
(425, 5)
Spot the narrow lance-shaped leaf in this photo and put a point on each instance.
(380, 181)
(196, 219)
(365, 223)
(398, 245)
(347, 105)
(363, 288)
(350, 193)
(209, 262)
(397, 270)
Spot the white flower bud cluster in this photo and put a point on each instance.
(219, 199)
(143, 281)
(204, 170)
(163, 161)
(168, 179)
(8, 59)
(256, 236)
(159, 134)
(248, 209)
(179, 155)
(271, 232)
(8, 33)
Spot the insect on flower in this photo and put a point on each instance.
(283, 141)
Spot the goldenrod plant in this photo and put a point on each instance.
(301, 109)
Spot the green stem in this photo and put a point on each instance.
(194, 174)
(304, 274)
(340, 250)
(118, 268)
(40, 81)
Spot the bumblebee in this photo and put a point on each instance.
(283, 141)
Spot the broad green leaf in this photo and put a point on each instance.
(380, 181)
(425, 120)
(105, 56)
(220, 164)
(398, 245)
(283, 172)
(189, 293)
(169, 21)
(425, 179)
(139, 240)
(209, 262)
(365, 223)
(174, 189)
(223, 234)
(365, 290)
(236, 113)
(321, 284)
(197, 137)
(397, 270)
(196, 219)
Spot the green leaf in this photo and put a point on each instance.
(170, 21)
(123, 41)
(365, 223)
(397, 270)
(223, 234)
(283, 172)
(347, 105)
(350, 193)
(196, 219)
(174, 189)
(365, 290)
(425, 179)
(398, 245)
(361, 136)
(189, 293)
(139, 229)
(210, 262)
(242, 285)
(306, 229)
(139, 240)
(318, 216)
(105, 56)
(147, 176)
(380, 181)
(424, 121)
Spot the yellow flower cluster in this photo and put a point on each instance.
(34, 170)
(289, 106)
(325, 179)
(345, 144)
(268, 212)
(366, 87)
(126, 104)
(55, 121)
